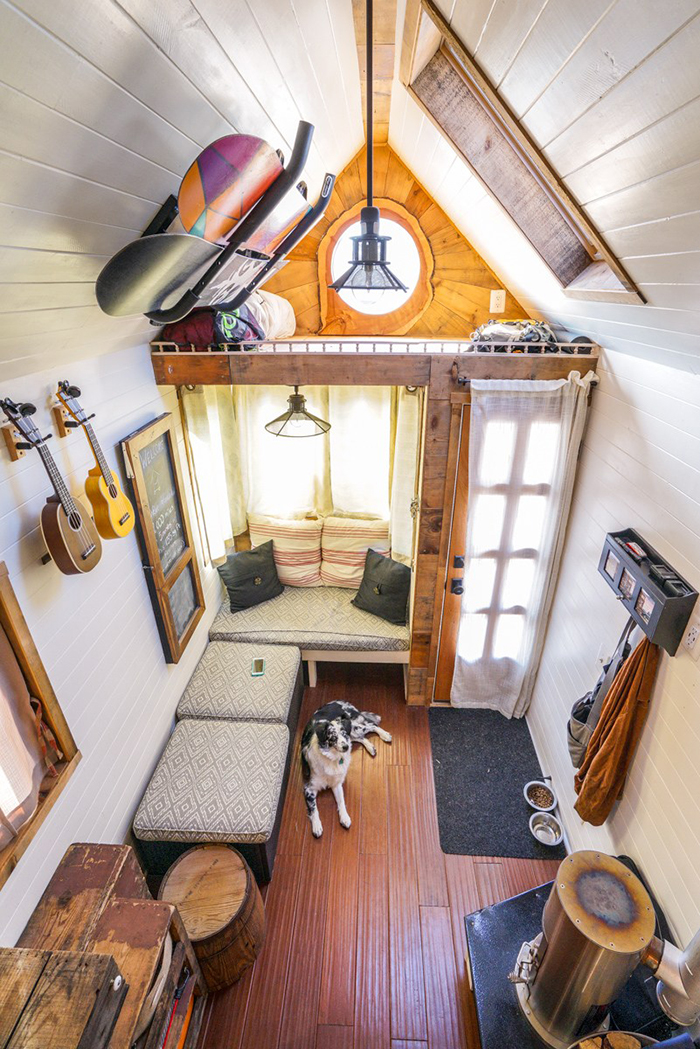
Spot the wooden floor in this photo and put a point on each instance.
(365, 935)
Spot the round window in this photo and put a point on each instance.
(403, 257)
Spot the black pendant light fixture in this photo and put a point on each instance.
(297, 421)
(369, 270)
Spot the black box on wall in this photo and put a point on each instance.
(659, 600)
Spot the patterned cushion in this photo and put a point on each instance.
(296, 546)
(318, 617)
(222, 685)
(344, 545)
(216, 781)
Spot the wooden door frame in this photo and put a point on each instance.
(457, 457)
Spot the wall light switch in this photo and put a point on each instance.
(498, 301)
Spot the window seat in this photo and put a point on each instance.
(319, 620)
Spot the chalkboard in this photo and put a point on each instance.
(163, 502)
(172, 574)
(183, 601)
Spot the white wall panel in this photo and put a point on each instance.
(639, 467)
(96, 634)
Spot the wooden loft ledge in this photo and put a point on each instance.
(370, 362)
(452, 91)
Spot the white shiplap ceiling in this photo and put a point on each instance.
(103, 106)
(610, 91)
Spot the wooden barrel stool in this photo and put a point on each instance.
(221, 907)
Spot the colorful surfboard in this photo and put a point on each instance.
(223, 183)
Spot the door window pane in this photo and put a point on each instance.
(541, 454)
(478, 583)
(472, 635)
(487, 526)
(529, 522)
(497, 452)
(508, 637)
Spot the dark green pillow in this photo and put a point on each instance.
(250, 577)
(384, 589)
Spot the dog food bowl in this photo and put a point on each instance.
(592, 1041)
(535, 791)
(546, 828)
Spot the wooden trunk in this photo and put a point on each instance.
(222, 909)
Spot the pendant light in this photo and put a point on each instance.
(297, 421)
(369, 270)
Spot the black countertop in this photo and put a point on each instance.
(494, 938)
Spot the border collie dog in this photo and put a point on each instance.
(325, 754)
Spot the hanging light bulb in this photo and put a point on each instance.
(297, 421)
(369, 269)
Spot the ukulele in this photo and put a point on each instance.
(69, 532)
(114, 514)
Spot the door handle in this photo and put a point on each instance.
(458, 561)
(456, 586)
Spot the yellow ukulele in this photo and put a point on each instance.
(114, 514)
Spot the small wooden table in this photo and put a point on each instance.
(221, 908)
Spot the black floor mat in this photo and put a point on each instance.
(481, 762)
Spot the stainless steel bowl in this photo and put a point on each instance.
(533, 804)
(643, 1039)
(546, 828)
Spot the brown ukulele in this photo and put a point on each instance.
(114, 514)
(69, 533)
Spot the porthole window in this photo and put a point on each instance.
(403, 256)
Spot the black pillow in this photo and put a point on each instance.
(250, 577)
(384, 589)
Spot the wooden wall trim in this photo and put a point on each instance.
(509, 122)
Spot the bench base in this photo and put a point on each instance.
(312, 656)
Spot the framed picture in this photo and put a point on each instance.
(168, 555)
(627, 584)
(612, 564)
(644, 605)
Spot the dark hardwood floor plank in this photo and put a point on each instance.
(337, 996)
(430, 859)
(266, 999)
(374, 827)
(442, 992)
(408, 1045)
(408, 1018)
(491, 881)
(372, 1022)
(523, 874)
(329, 1037)
(225, 1024)
(464, 899)
(301, 998)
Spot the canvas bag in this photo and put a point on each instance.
(586, 711)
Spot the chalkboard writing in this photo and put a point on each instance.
(167, 550)
(183, 601)
(163, 502)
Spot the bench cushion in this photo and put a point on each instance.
(312, 618)
(216, 781)
(222, 685)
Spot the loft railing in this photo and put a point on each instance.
(565, 347)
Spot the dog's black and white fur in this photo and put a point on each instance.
(325, 754)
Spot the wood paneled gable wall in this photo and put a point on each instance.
(460, 282)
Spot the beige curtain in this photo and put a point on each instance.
(365, 466)
(21, 760)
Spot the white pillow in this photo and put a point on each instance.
(344, 547)
(296, 548)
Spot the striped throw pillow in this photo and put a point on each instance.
(296, 547)
(344, 547)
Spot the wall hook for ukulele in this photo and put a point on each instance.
(114, 514)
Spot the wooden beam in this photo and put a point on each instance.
(521, 140)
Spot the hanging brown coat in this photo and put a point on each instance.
(600, 780)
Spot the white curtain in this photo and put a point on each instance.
(524, 440)
(365, 466)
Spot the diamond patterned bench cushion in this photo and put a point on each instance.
(311, 617)
(222, 685)
(216, 781)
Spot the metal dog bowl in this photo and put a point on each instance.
(532, 803)
(546, 828)
(643, 1039)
